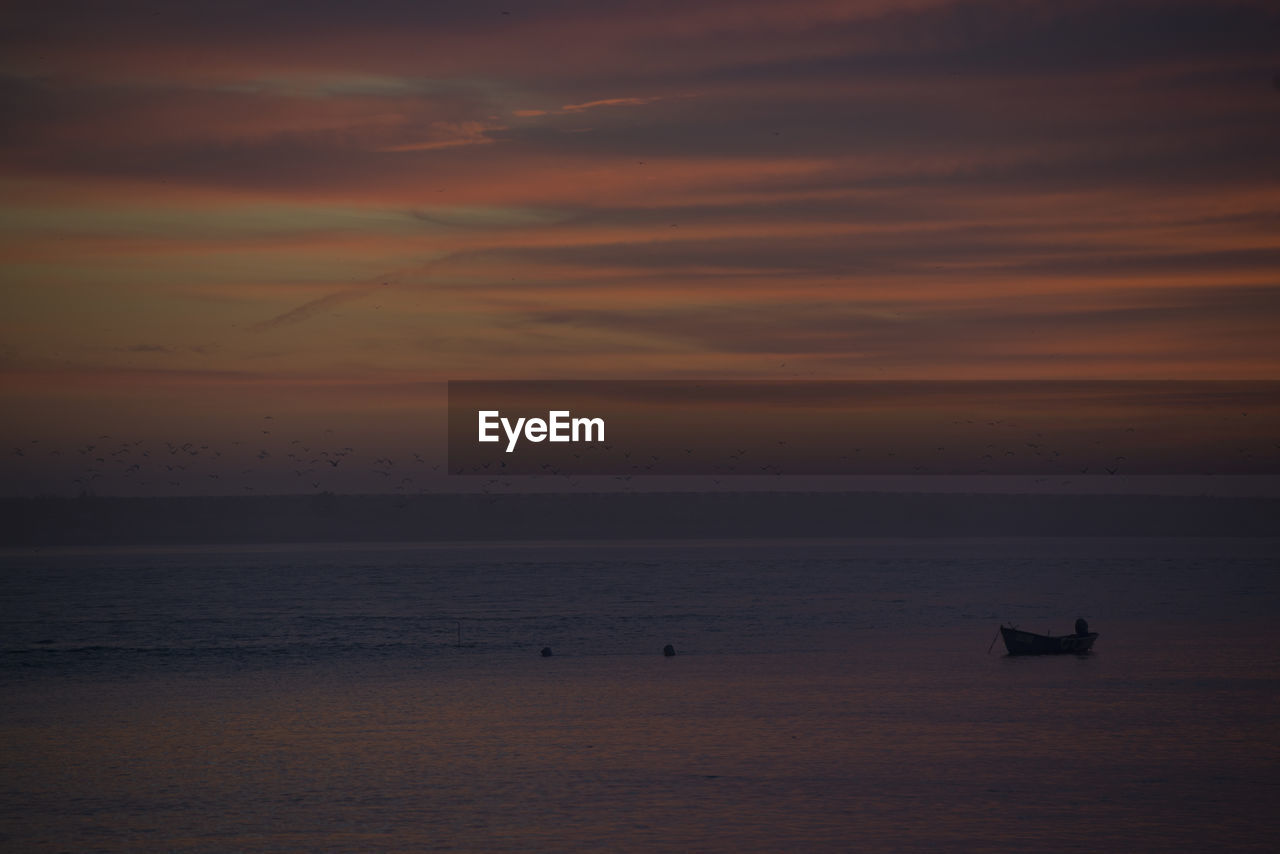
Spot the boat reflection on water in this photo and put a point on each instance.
(1020, 642)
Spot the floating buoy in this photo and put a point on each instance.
(668, 650)
(546, 652)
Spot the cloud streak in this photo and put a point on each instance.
(659, 189)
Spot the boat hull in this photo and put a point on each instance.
(1019, 642)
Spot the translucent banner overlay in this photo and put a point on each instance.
(744, 427)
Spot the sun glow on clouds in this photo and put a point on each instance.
(450, 135)
(857, 190)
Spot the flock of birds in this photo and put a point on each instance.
(108, 464)
(272, 463)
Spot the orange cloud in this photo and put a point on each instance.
(855, 189)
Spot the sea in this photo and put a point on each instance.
(827, 695)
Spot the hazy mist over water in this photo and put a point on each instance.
(826, 695)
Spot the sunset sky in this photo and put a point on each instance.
(217, 212)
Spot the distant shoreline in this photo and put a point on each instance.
(123, 521)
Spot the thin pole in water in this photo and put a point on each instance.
(993, 640)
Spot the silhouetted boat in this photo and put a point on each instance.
(1019, 642)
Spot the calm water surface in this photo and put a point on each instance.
(827, 697)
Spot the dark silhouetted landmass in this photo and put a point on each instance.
(372, 518)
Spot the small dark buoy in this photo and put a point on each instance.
(668, 650)
(546, 652)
